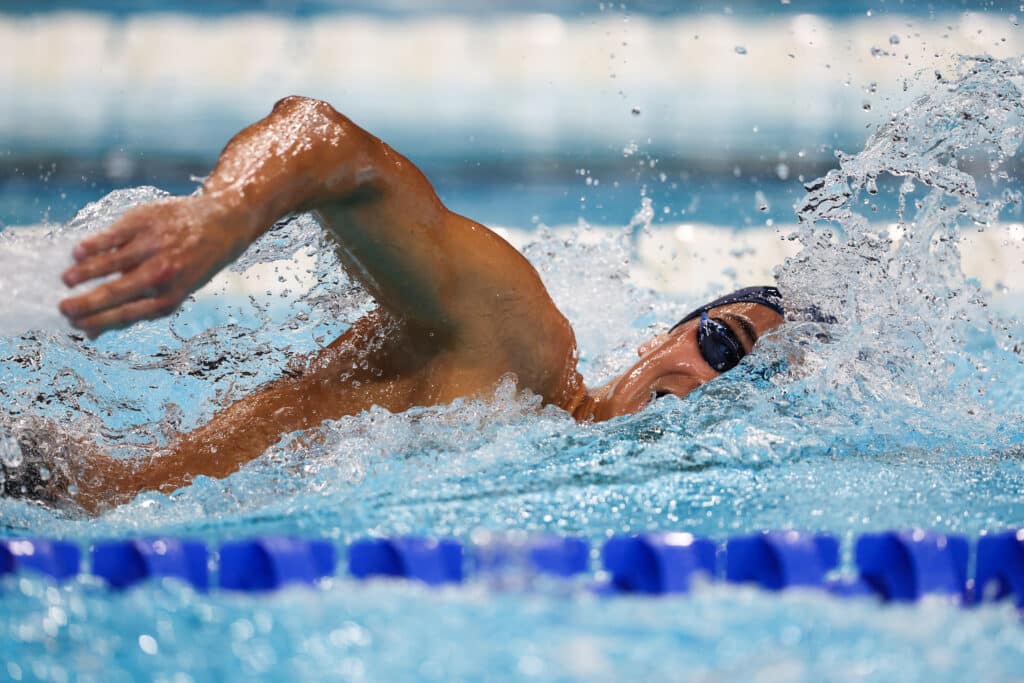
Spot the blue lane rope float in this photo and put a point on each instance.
(559, 556)
(1000, 567)
(267, 563)
(58, 560)
(658, 563)
(775, 560)
(900, 566)
(125, 563)
(905, 566)
(430, 560)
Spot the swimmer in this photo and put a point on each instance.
(458, 308)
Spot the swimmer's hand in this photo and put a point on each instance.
(58, 470)
(163, 252)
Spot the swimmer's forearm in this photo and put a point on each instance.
(303, 155)
(235, 436)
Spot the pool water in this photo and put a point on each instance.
(907, 411)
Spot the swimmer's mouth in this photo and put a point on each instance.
(662, 394)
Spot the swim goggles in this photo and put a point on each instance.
(718, 344)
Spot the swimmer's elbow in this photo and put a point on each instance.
(335, 144)
(298, 105)
(316, 123)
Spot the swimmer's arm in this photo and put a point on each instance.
(234, 436)
(298, 400)
(419, 260)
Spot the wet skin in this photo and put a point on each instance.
(458, 307)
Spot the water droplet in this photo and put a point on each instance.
(894, 39)
(10, 452)
(44, 473)
(147, 644)
(866, 106)
(635, 111)
(782, 171)
(740, 50)
(761, 202)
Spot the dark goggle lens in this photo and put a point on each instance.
(718, 344)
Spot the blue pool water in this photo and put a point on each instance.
(906, 412)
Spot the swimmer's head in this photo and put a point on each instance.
(707, 342)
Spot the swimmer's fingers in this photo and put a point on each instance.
(150, 282)
(113, 237)
(106, 263)
(126, 315)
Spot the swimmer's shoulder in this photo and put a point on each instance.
(508, 313)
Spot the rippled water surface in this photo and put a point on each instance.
(906, 410)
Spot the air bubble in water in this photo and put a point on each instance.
(10, 452)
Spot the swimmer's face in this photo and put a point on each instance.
(674, 363)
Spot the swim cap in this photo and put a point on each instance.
(766, 296)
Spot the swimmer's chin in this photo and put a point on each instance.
(619, 397)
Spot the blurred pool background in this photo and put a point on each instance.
(579, 106)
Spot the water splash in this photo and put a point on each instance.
(916, 382)
(916, 354)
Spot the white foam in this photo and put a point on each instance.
(31, 261)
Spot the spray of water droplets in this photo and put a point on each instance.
(915, 367)
(915, 355)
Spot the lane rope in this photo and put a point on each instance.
(893, 566)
